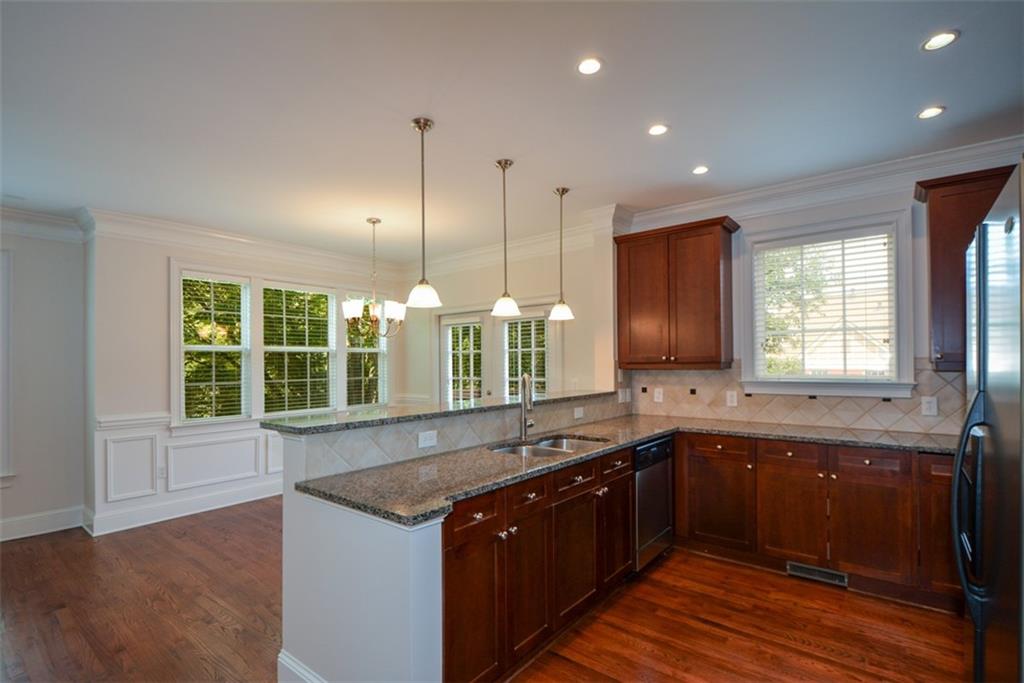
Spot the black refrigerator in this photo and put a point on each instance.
(987, 478)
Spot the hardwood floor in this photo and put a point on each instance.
(198, 598)
(696, 618)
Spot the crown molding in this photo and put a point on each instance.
(579, 237)
(42, 226)
(858, 183)
(614, 216)
(118, 225)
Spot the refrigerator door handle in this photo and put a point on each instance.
(975, 595)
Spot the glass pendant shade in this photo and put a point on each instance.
(423, 296)
(352, 309)
(505, 307)
(561, 311)
(393, 310)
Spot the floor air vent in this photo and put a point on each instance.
(806, 571)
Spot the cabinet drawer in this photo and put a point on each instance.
(935, 468)
(477, 515)
(870, 462)
(790, 453)
(525, 497)
(709, 444)
(575, 479)
(616, 464)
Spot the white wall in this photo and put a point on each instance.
(47, 411)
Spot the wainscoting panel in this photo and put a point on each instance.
(212, 462)
(275, 453)
(131, 466)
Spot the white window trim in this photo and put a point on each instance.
(6, 299)
(896, 222)
(255, 281)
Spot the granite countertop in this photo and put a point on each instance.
(423, 489)
(391, 414)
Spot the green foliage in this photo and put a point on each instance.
(794, 285)
(363, 378)
(211, 313)
(364, 334)
(213, 383)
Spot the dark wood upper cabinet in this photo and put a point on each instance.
(721, 482)
(956, 204)
(792, 501)
(938, 565)
(675, 296)
(871, 521)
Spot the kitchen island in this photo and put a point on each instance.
(363, 549)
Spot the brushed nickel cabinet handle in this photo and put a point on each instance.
(664, 357)
(617, 463)
(718, 446)
(833, 476)
(821, 475)
(478, 516)
(789, 454)
(513, 530)
(866, 461)
(531, 496)
(503, 535)
(750, 467)
(578, 479)
(672, 358)
(938, 356)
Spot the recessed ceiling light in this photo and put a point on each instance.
(589, 66)
(930, 112)
(700, 170)
(657, 129)
(940, 40)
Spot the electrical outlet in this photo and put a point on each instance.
(427, 439)
(577, 413)
(659, 395)
(929, 406)
(161, 473)
(730, 399)
(622, 395)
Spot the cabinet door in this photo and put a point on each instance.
(530, 605)
(792, 520)
(956, 204)
(643, 317)
(474, 608)
(617, 529)
(576, 559)
(721, 483)
(698, 274)
(871, 526)
(938, 566)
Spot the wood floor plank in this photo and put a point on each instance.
(199, 599)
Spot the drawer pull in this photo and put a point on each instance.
(513, 530)
(750, 467)
(672, 358)
(478, 516)
(578, 479)
(530, 496)
(866, 461)
(617, 463)
(789, 454)
(833, 476)
(821, 475)
(503, 535)
(664, 357)
(718, 446)
(601, 491)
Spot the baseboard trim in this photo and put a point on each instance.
(119, 520)
(40, 523)
(291, 670)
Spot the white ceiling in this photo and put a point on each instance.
(290, 120)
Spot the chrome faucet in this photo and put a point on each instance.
(525, 404)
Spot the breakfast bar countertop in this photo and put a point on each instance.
(420, 490)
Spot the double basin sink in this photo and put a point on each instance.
(551, 445)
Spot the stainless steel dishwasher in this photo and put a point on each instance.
(654, 498)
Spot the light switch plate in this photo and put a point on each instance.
(659, 395)
(427, 439)
(730, 399)
(577, 413)
(930, 406)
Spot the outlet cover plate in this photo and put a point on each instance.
(659, 395)
(929, 406)
(427, 439)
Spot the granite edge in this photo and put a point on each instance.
(284, 428)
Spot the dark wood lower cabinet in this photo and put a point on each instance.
(792, 501)
(576, 554)
(524, 561)
(721, 485)
(938, 565)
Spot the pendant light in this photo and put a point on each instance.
(561, 310)
(505, 306)
(423, 295)
(392, 313)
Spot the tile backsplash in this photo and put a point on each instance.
(709, 401)
(356, 449)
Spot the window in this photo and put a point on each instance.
(299, 357)
(826, 310)
(366, 364)
(465, 361)
(526, 351)
(215, 341)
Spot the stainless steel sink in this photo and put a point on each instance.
(552, 445)
(532, 450)
(571, 443)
